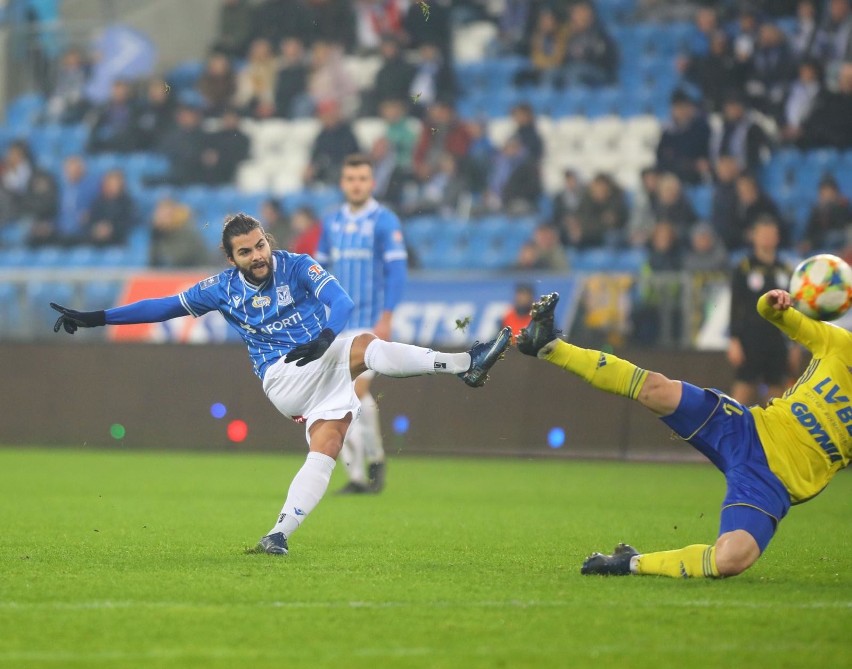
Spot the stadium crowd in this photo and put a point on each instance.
(763, 91)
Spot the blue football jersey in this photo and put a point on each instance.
(356, 249)
(274, 318)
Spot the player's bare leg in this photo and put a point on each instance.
(309, 484)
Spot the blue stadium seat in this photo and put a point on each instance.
(603, 101)
(24, 110)
(540, 98)
(500, 72)
(49, 256)
(73, 140)
(571, 102)
(702, 200)
(822, 160)
(185, 75)
(471, 76)
(844, 181)
(608, 260)
(81, 256)
(15, 257)
(12, 234)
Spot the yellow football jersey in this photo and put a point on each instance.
(807, 434)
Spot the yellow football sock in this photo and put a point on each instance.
(602, 370)
(696, 561)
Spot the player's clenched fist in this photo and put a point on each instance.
(311, 351)
(779, 299)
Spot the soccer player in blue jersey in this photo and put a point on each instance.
(289, 311)
(362, 244)
(771, 457)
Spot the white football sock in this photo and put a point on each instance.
(352, 453)
(401, 360)
(306, 490)
(370, 430)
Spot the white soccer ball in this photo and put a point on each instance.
(821, 287)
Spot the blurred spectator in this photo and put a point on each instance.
(591, 57)
(566, 203)
(67, 102)
(442, 192)
(77, 192)
(548, 45)
(255, 94)
(683, 147)
(837, 32)
(664, 249)
(393, 80)
(543, 251)
(514, 183)
(334, 142)
(112, 214)
(724, 205)
(40, 207)
(745, 31)
(433, 78)
(706, 252)
(480, 155)
(830, 220)
(276, 19)
(388, 174)
(757, 349)
(753, 204)
(642, 213)
(602, 216)
(224, 150)
(17, 169)
(801, 99)
(715, 72)
(526, 131)
(236, 19)
(217, 84)
(115, 125)
(291, 82)
(672, 204)
(518, 316)
(432, 29)
(175, 241)
(442, 132)
(378, 18)
(183, 145)
(706, 27)
(808, 41)
(328, 79)
(156, 114)
(830, 120)
(739, 135)
(512, 28)
(275, 222)
(399, 132)
(771, 69)
(307, 229)
(333, 21)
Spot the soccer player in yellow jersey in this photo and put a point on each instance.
(771, 458)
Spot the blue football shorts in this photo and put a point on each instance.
(723, 430)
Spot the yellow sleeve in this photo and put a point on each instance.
(816, 336)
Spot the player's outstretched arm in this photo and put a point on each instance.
(776, 306)
(145, 311)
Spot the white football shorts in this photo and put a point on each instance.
(321, 390)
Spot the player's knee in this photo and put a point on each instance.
(357, 352)
(735, 552)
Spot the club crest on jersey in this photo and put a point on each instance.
(284, 296)
(315, 272)
(260, 301)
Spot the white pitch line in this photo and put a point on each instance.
(445, 604)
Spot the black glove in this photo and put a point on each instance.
(311, 351)
(71, 320)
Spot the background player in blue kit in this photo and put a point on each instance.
(362, 244)
(289, 311)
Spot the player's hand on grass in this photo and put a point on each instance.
(71, 319)
(779, 300)
(311, 351)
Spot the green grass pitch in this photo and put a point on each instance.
(129, 559)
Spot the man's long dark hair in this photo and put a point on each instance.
(240, 224)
